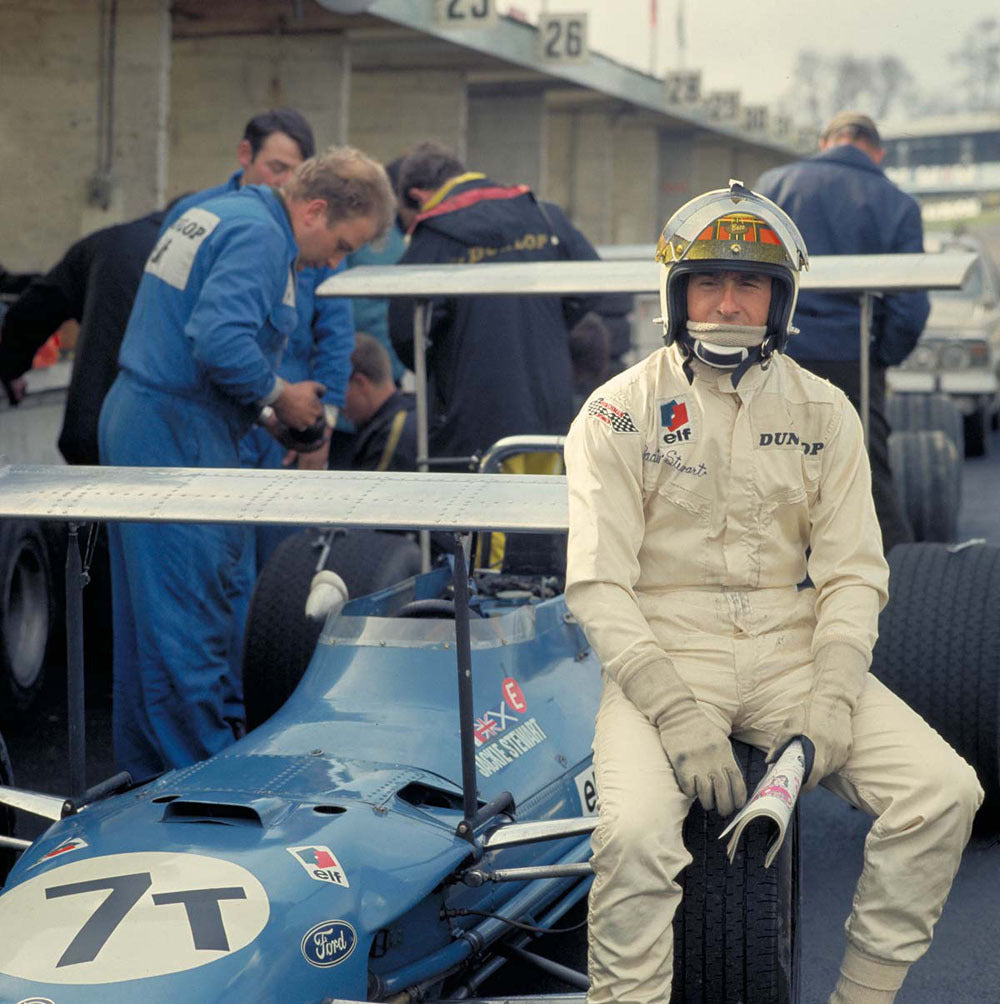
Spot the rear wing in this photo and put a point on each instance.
(877, 273)
(364, 499)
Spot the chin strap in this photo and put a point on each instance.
(739, 359)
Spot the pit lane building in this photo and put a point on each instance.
(113, 106)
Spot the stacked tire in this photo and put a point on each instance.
(927, 471)
(925, 455)
(925, 413)
(939, 649)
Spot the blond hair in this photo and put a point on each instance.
(350, 182)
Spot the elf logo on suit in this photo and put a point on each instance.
(674, 422)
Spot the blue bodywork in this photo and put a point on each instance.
(318, 858)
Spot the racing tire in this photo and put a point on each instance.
(736, 930)
(280, 639)
(977, 433)
(926, 412)
(7, 820)
(927, 471)
(939, 649)
(27, 613)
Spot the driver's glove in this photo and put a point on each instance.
(839, 672)
(698, 749)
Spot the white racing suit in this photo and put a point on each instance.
(692, 506)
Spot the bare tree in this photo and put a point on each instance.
(979, 62)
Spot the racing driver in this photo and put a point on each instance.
(704, 484)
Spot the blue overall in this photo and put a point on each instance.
(214, 309)
(319, 349)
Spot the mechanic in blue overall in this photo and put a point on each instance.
(214, 309)
(843, 203)
(274, 143)
(698, 481)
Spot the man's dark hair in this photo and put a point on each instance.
(589, 352)
(286, 120)
(427, 165)
(370, 359)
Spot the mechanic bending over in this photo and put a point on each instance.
(274, 143)
(384, 416)
(697, 481)
(213, 311)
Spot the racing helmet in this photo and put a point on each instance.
(731, 229)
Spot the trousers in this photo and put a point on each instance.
(180, 593)
(746, 657)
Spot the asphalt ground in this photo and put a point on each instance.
(962, 966)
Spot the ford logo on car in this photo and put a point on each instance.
(329, 943)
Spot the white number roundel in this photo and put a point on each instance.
(128, 916)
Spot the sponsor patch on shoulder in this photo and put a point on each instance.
(173, 257)
(610, 414)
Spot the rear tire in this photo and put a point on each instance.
(939, 649)
(926, 412)
(927, 471)
(735, 932)
(280, 639)
(26, 613)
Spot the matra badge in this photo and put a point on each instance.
(321, 864)
(676, 425)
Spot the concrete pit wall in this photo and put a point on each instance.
(50, 78)
(392, 110)
(217, 84)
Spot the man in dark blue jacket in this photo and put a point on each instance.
(843, 203)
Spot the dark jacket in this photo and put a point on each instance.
(388, 440)
(95, 283)
(844, 204)
(497, 365)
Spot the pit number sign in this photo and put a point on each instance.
(682, 87)
(562, 38)
(465, 13)
(723, 106)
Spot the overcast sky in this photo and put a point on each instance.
(751, 46)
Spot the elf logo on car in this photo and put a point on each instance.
(72, 844)
(321, 864)
(586, 788)
(513, 694)
(129, 916)
(329, 944)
